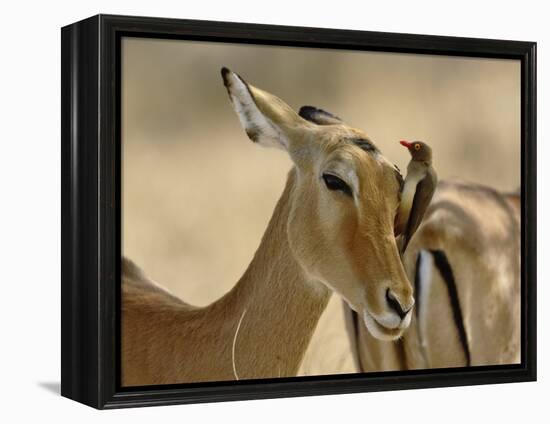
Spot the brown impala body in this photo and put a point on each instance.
(331, 231)
(465, 263)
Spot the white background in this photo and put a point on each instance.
(30, 211)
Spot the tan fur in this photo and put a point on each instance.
(318, 241)
(479, 231)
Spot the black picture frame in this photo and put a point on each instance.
(91, 209)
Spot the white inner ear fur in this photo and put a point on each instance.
(259, 128)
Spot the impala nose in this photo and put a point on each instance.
(394, 304)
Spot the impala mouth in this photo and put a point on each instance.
(379, 330)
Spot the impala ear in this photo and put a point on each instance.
(318, 116)
(400, 221)
(397, 229)
(266, 119)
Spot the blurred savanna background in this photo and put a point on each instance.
(197, 194)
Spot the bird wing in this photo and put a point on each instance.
(422, 197)
(405, 205)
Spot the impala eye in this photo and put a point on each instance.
(336, 184)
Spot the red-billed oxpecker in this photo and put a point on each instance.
(417, 191)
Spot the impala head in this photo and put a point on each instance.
(343, 204)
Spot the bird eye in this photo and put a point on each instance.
(417, 146)
(336, 184)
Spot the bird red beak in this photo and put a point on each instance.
(406, 144)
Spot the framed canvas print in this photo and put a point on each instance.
(254, 211)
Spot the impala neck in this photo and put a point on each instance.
(277, 306)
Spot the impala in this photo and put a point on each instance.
(331, 231)
(465, 262)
